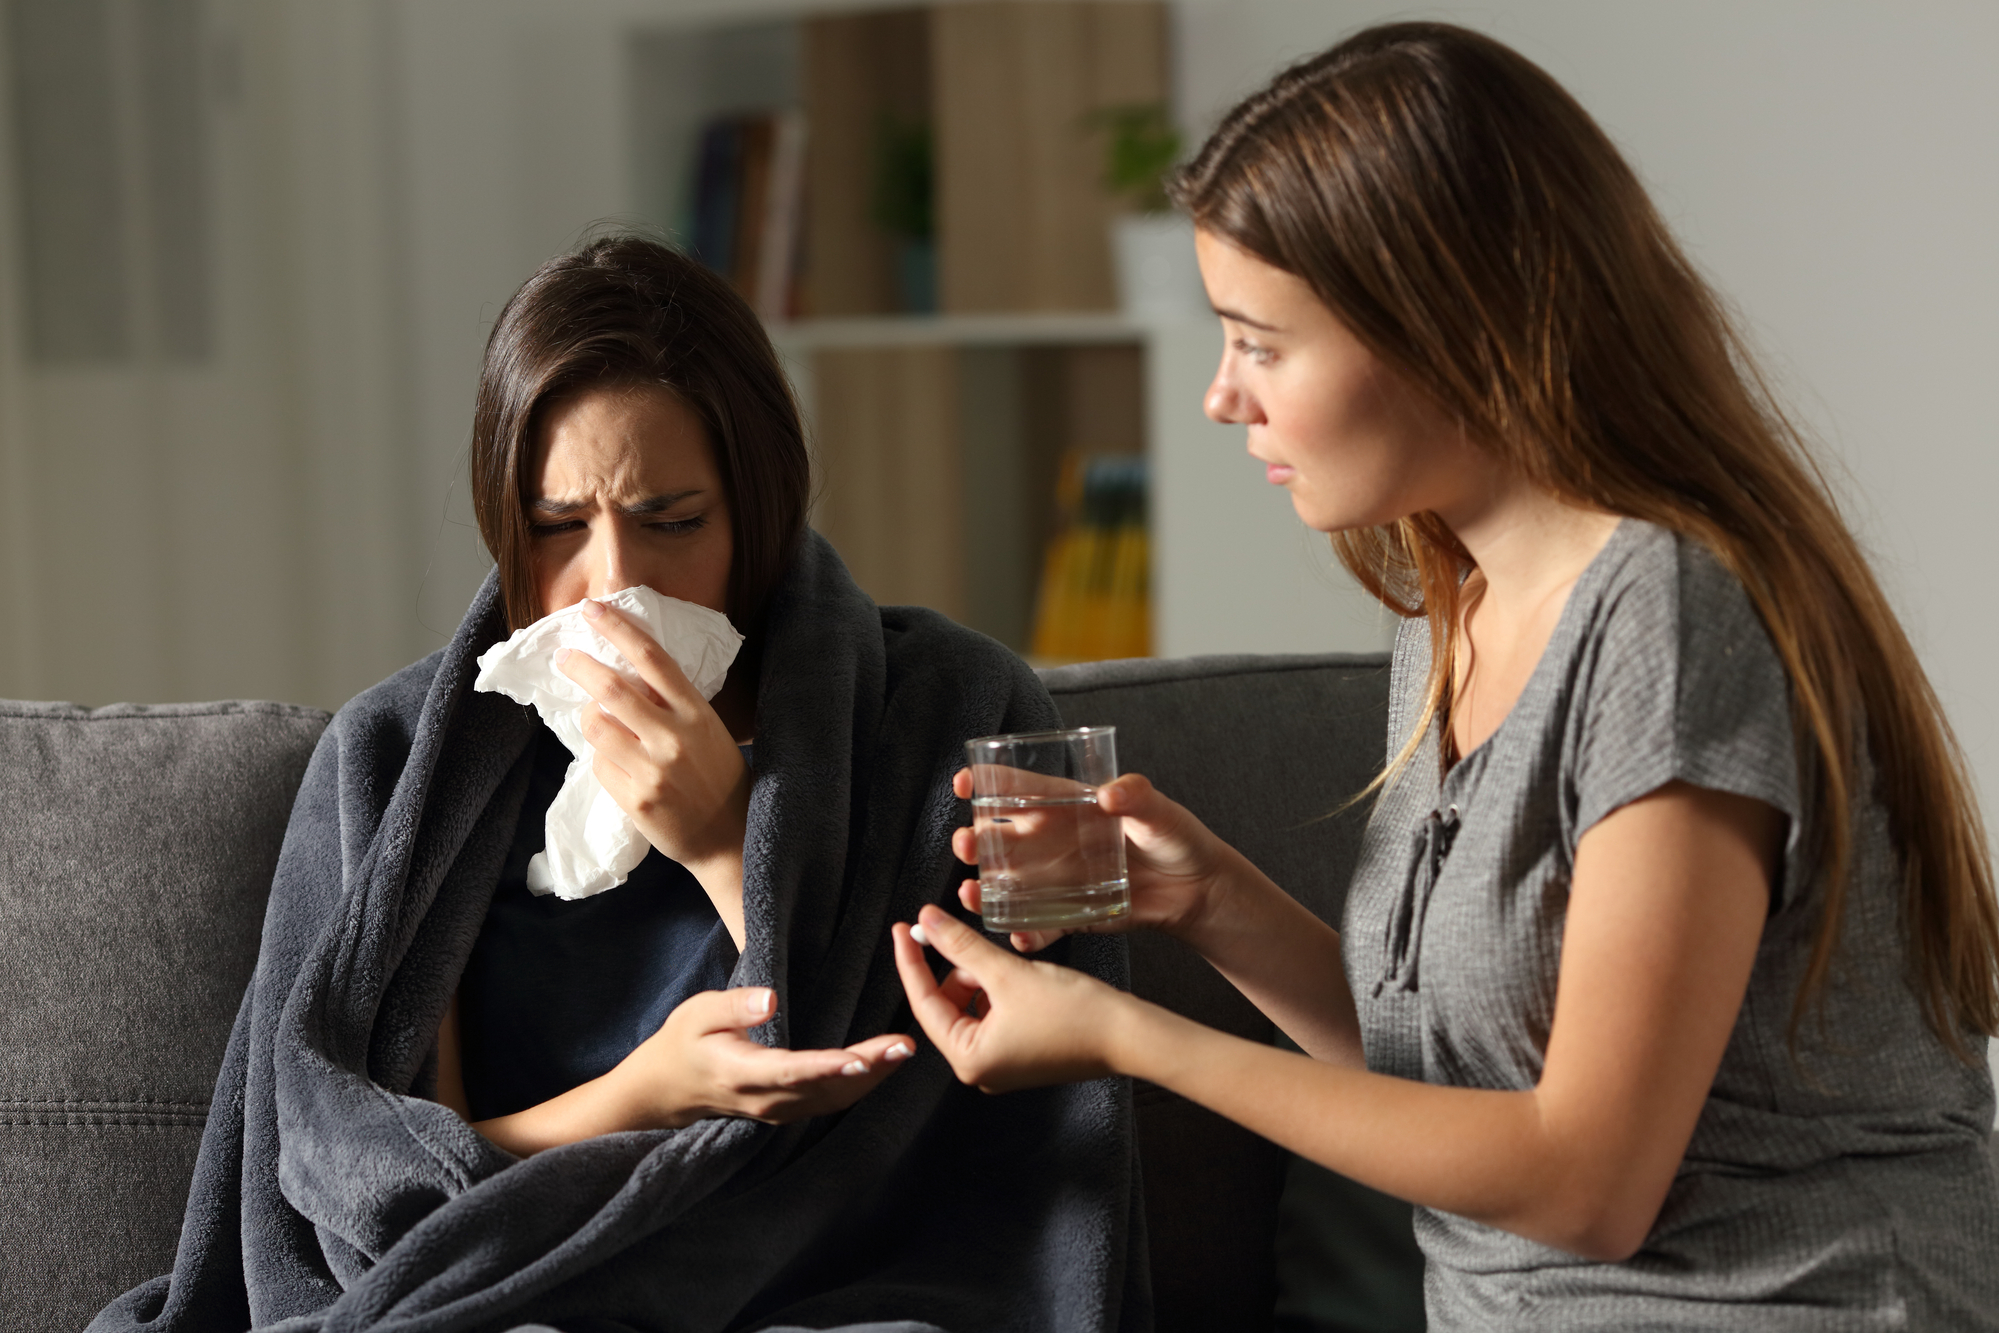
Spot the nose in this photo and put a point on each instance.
(1225, 401)
(610, 556)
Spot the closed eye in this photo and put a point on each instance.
(669, 527)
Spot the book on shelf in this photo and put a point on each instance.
(1095, 601)
(749, 198)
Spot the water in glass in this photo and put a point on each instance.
(1048, 862)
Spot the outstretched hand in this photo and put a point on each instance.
(702, 1063)
(1002, 1021)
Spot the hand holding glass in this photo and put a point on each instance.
(1049, 858)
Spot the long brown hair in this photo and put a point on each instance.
(1478, 231)
(626, 310)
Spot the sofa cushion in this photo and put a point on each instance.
(1267, 751)
(139, 847)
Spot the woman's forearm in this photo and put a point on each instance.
(1486, 1155)
(1282, 958)
(1664, 921)
(700, 1064)
(600, 1106)
(1554, 1167)
(583, 1112)
(720, 876)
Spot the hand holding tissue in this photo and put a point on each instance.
(592, 844)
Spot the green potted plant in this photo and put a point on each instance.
(904, 206)
(1152, 246)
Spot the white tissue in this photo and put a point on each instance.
(592, 844)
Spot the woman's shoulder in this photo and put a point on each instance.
(1654, 605)
(917, 633)
(1647, 567)
(926, 645)
(392, 705)
(1664, 606)
(1672, 675)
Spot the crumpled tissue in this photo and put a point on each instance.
(592, 844)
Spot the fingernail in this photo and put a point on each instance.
(855, 1067)
(916, 933)
(592, 610)
(896, 1052)
(762, 1003)
(562, 655)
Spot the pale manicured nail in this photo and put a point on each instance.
(896, 1052)
(855, 1067)
(762, 1003)
(916, 933)
(592, 610)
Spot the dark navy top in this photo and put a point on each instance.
(556, 993)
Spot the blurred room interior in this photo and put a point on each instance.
(249, 253)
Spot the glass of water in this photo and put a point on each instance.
(1048, 857)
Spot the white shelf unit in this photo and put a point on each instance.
(1233, 571)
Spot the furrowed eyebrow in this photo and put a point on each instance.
(1240, 318)
(651, 504)
(657, 504)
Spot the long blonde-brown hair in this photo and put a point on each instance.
(1478, 231)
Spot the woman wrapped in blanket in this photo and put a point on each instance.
(1670, 960)
(451, 1102)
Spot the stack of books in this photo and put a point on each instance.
(749, 199)
(1095, 602)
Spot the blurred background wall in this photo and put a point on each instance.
(250, 251)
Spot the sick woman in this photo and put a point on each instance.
(451, 1102)
(1671, 956)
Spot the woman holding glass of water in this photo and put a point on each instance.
(1671, 957)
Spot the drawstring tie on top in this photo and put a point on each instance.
(1405, 927)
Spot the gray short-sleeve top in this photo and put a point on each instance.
(1845, 1184)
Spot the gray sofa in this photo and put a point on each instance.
(139, 845)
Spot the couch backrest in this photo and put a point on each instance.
(137, 851)
(1267, 751)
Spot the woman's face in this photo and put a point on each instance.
(624, 490)
(1352, 441)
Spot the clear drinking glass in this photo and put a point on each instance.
(1048, 857)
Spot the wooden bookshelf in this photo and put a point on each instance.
(938, 445)
(938, 438)
(1022, 216)
(857, 68)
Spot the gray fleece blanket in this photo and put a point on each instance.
(333, 1194)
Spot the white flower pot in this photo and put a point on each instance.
(1156, 272)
